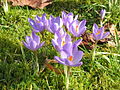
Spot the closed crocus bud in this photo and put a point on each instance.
(33, 42)
(102, 13)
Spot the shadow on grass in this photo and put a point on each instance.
(90, 12)
(8, 50)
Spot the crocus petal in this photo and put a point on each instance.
(35, 38)
(68, 38)
(82, 23)
(26, 45)
(102, 13)
(78, 64)
(28, 39)
(76, 43)
(68, 48)
(99, 36)
(32, 22)
(33, 45)
(40, 45)
(95, 28)
(77, 56)
(61, 61)
(105, 35)
(63, 54)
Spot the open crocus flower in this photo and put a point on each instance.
(33, 42)
(54, 24)
(77, 28)
(38, 26)
(70, 56)
(42, 19)
(102, 13)
(60, 39)
(98, 33)
(68, 18)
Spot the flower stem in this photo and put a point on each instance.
(94, 49)
(67, 74)
(36, 62)
(101, 23)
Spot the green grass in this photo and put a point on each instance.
(16, 62)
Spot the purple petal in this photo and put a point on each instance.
(82, 23)
(77, 56)
(102, 13)
(68, 38)
(40, 45)
(61, 61)
(78, 64)
(32, 22)
(95, 28)
(76, 43)
(63, 54)
(68, 48)
(26, 45)
(99, 36)
(105, 35)
(28, 39)
(35, 38)
(70, 63)
(33, 45)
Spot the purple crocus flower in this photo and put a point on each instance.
(102, 13)
(68, 18)
(60, 39)
(54, 24)
(33, 42)
(77, 28)
(37, 25)
(98, 33)
(42, 19)
(70, 56)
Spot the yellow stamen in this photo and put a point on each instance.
(70, 58)
(77, 28)
(98, 32)
(63, 43)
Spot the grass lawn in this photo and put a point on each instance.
(17, 62)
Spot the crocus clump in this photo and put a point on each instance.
(102, 13)
(98, 33)
(33, 42)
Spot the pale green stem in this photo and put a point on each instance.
(94, 51)
(23, 54)
(101, 23)
(36, 62)
(67, 74)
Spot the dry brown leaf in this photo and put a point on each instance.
(32, 3)
(112, 28)
(52, 68)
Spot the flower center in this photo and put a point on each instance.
(76, 28)
(63, 43)
(70, 58)
(98, 32)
